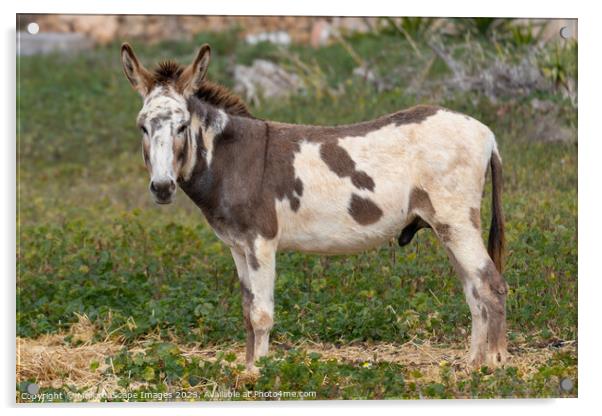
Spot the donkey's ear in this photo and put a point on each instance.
(196, 72)
(138, 76)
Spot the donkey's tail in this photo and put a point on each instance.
(497, 240)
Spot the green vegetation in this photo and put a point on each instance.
(90, 241)
(163, 374)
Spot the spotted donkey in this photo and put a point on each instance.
(265, 186)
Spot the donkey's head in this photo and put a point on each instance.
(164, 120)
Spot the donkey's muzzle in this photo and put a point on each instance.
(163, 190)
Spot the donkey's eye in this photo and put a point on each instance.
(182, 128)
(144, 130)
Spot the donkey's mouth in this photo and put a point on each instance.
(163, 201)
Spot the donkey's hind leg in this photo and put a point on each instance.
(456, 222)
(484, 288)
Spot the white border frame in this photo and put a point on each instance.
(589, 194)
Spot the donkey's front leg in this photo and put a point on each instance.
(261, 265)
(243, 275)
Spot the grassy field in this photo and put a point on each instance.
(119, 295)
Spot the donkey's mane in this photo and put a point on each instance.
(222, 97)
(167, 71)
(210, 92)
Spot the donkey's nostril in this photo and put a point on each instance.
(163, 190)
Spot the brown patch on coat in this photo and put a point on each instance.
(146, 152)
(420, 201)
(475, 218)
(339, 161)
(496, 326)
(247, 301)
(252, 258)
(299, 186)
(489, 275)
(279, 169)
(495, 302)
(247, 295)
(484, 313)
(181, 150)
(475, 293)
(363, 210)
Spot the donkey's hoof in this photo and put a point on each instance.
(475, 363)
(476, 359)
(491, 359)
(496, 359)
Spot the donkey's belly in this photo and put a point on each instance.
(346, 207)
(338, 237)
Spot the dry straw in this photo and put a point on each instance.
(52, 362)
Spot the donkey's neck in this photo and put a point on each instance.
(228, 174)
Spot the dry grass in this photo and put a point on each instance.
(424, 357)
(429, 359)
(53, 363)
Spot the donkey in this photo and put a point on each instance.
(265, 186)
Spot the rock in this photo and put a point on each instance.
(548, 128)
(102, 29)
(278, 38)
(365, 73)
(153, 28)
(381, 83)
(43, 43)
(542, 106)
(264, 79)
(506, 79)
(496, 78)
(547, 125)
